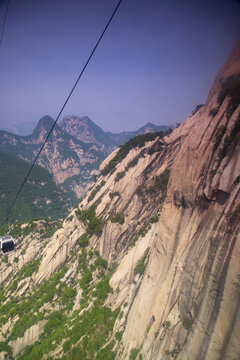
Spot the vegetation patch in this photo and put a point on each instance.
(230, 88)
(118, 335)
(100, 263)
(4, 347)
(67, 295)
(137, 141)
(154, 219)
(235, 215)
(83, 240)
(141, 265)
(133, 162)
(20, 229)
(213, 112)
(27, 308)
(162, 180)
(102, 290)
(202, 202)
(119, 175)
(117, 218)
(158, 188)
(166, 324)
(139, 191)
(41, 197)
(187, 323)
(134, 353)
(175, 352)
(28, 269)
(231, 141)
(50, 228)
(113, 194)
(156, 147)
(226, 143)
(89, 218)
(55, 319)
(69, 218)
(219, 136)
(86, 334)
(197, 108)
(160, 183)
(95, 190)
(106, 353)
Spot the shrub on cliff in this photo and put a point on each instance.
(198, 107)
(117, 218)
(235, 215)
(231, 88)
(137, 141)
(140, 267)
(83, 240)
(119, 175)
(89, 218)
(202, 202)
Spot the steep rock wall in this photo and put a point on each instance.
(187, 303)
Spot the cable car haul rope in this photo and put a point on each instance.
(6, 242)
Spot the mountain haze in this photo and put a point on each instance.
(22, 129)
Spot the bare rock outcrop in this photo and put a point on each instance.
(187, 304)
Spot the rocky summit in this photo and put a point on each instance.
(147, 266)
(87, 131)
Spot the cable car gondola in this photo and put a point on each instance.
(7, 244)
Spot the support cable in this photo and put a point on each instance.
(4, 22)
(64, 105)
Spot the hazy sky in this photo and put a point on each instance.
(156, 62)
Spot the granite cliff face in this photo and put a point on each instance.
(166, 210)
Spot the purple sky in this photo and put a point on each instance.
(156, 62)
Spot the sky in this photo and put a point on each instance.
(155, 63)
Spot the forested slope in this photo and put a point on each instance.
(40, 196)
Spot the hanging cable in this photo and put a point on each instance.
(64, 105)
(4, 22)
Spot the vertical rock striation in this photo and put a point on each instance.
(187, 304)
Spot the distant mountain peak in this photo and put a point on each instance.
(46, 120)
(149, 124)
(83, 128)
(44, 124)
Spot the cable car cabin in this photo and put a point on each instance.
(7, 244)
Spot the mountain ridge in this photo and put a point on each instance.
(73, 152)
(86, 130)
